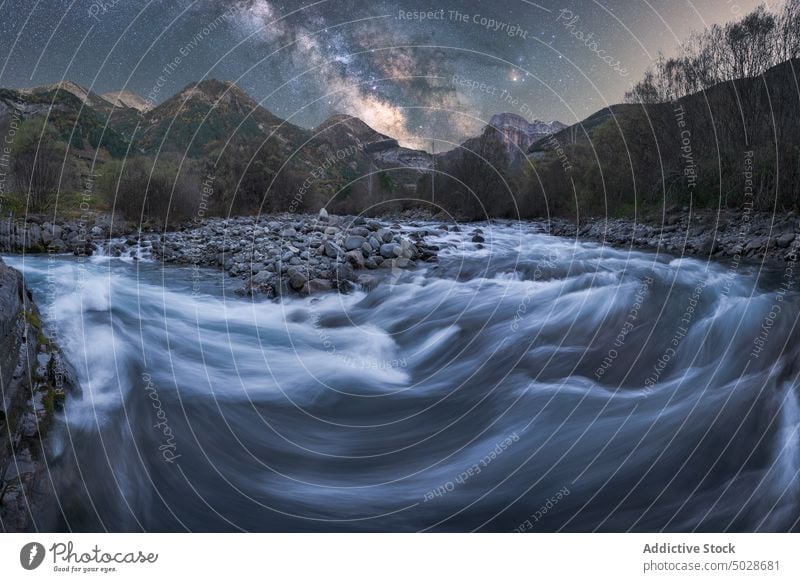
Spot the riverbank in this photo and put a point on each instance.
(703, 235)
(36, 381)
(307, 254)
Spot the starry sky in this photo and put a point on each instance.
(413, 69)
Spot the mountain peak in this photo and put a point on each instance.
(520, 132)
(82, 93)
(126, 98)
(355, 127)
(513, 120)
(214, 91)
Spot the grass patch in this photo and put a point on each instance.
(33, 319)
(66, 206)
(53, 401)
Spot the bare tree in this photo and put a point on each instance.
(746, 48)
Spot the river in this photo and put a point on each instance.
(534, 384)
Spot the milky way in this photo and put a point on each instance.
(428, 73)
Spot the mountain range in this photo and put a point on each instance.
(204, 117)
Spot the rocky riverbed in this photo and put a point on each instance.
(727, 235)
(306, 254)
(289, 253)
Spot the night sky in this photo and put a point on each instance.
(407, 77)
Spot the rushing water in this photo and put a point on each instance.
(536, 384)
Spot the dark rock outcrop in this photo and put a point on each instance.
(35, 381)
(39, 234)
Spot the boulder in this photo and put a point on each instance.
(360, 231)
(344, 272)
(391, 250)
(407, 249)
(34, 234)
(318, 286)
(332, 250)
(367, 282)
(354, 242)
(263, 278)
(784, 240)
(355, 258)
(756, 244)
(297, 280)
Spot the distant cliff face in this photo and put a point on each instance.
(341, 131)
(520, 133)
(35, 381)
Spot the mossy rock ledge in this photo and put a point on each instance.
(36, 382)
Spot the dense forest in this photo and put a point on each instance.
(716, 125)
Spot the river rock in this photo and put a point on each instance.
(360, 231)
(784, 240)
(368, 282)
(391, 250)
(354, 242)
(263, 278)
(355, 258)
(270, 255)
(316, 286)
(297, 280)
(332, 250)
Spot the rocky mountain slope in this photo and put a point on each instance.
(127, 99)
(80, 117)
(343, 131)
(520, 133)
(204, 116)
(569, 135)
(82, 94)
